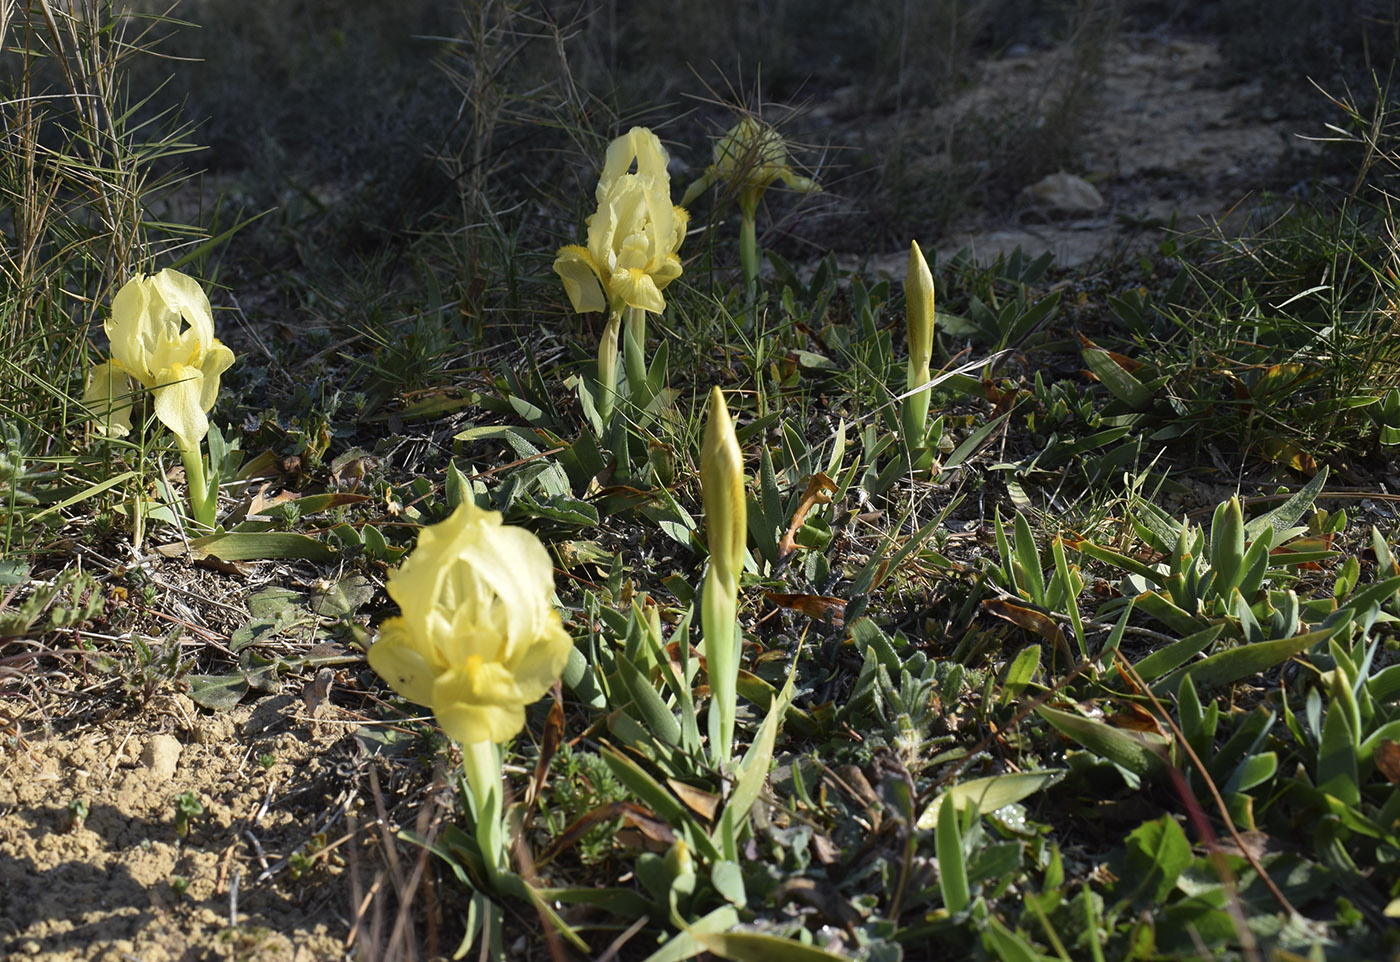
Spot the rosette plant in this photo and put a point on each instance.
(748, 159)
(477, 641)
(634, 239)
(161, 331)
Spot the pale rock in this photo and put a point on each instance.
(161, 755)
(1065, 193)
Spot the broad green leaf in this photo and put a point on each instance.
(1176, 654)
(1286, 515)
(256, 546)
(1136, 753)
(1254, 770)
(952, 865)
(1119, 382)
(651, 709)
(217, 692)
(1006, 944)
(1176, 618)
(759, 947)
(1018, 675)
(1337, 773)
(1225, 667)
(990, 793)
(686, 944)
(1158, 852)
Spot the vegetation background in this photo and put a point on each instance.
(1164, 722)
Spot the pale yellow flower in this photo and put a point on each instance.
(750, 158)
(162, 334)
(633, 237)
(478, 638)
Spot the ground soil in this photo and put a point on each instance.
(1170, 135)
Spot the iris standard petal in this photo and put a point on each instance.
(181, 295)
(133, 331)
(518, 569)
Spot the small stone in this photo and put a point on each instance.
(1064, 192)
(161, 755)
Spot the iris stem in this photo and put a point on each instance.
(914, 413)
(607, 367)
(482, 763)
(634, 348)
(203, 497)
(719, 624)
(748, 251)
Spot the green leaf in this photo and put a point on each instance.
(728, 880)
(1119, 382)
(217, 692)
(759, 947)
(1177, 653)
(952, 865)
(1225, 667)
(686, 944)
(990, 793)
(1135, 753)
(345, 597)
(1019, 674)
(1006, 944)
(1336, 758)
(1286, 515)
(654, 714)
(1158, 852)
(255, 546)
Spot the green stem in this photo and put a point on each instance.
(607, 367)
(203, 496)
(719, 624)
(748, 251)
(634, 354)
(482, 763)
(914, 412)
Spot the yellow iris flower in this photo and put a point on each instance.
(479, 638)
(633, 237)
(162, 334)
(750, 158)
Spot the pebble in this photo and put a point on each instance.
(161, 755)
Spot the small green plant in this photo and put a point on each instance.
(188, 807)
(179, 885)
(77, 813)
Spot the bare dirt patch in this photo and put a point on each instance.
(261, 874)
